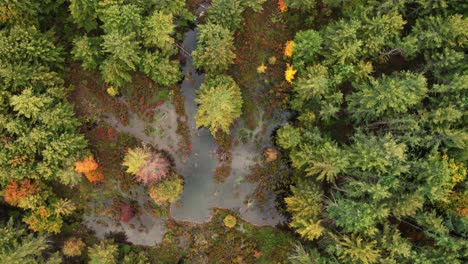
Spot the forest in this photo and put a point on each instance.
(233, 131)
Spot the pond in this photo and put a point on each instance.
(201, 191)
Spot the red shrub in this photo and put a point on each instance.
(126, 213)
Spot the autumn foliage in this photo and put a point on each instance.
(15, 191)
(90, 168)
(155, 169)
(282, 6)
(86, 165)
(126, 213)
(289, 48)
(289, 73)
(94, 176)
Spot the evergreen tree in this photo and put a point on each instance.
(214, 52)
(103, 253)
(226, 13)
(220, 103)
(19, 246)
(157, 31)
(389, 95)
(84, 13)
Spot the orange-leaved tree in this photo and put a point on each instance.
(15, 191)
(283, 7)
(90, 168)
(86, 165)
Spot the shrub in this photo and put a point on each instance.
(230, 221)
(168, 190)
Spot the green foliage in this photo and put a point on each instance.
(301, 4)
(256, 5)
(19, 12)
(133, 35)
(28, 46)
(307, 45)
(18, 246)
(167, 191)
(122, 58)
(84, 13)
(157, 31)
(436, 177)
(220, 103)
(174, 7)
(70, 176)
(316, 90)
(39, 131)
(288, 137)
(357, 250)
(271, 241)
(377, 155)
(434, 32)
(226, 13)
(341, 39)
(86, 49)
(103, 253)
(301, 256)
(389, 95)
(28, 105)
(214, 52)
(135, 258)
(327, 162)
(124, 19)
(355, 217)
(305, 207)
(135, 159)
(392, 94)
(160, 68)
(314, 83)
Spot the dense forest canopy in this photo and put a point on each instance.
(369, 166)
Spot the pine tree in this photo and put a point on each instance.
(103, 253)
(160, 68)
(226, 13)
(157, 31)
(307, 46)
(18, 246)
(388, 95)
(214, 52)
(87, 50)
(121, 19)
(220, 103)
(84, 13)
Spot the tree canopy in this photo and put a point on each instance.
(220, 103)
